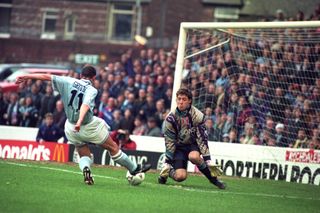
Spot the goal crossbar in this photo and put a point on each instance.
(252, 25)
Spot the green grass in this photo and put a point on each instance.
(51, 187)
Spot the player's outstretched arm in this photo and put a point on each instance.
(22, 78)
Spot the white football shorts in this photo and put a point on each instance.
(97, 132)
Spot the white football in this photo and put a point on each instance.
(135, 179)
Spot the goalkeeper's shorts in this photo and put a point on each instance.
(181, 155)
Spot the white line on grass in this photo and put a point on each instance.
(54, 169)
(179, 187)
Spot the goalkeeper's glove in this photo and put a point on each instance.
(214, 169)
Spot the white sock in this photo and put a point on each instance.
(85, 161)
(122, 159)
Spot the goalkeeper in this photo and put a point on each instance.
(186, 139)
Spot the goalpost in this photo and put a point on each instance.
(271, 67)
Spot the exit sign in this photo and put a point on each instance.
(86, 59)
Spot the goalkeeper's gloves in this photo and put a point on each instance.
(214, 169)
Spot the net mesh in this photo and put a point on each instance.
(256, 86)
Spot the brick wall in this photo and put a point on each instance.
(18, 50)
(25, 45)
(27, 17)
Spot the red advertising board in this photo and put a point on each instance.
(303, 156)
(31, 150)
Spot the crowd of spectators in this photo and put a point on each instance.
(253, 91)
(134, 94)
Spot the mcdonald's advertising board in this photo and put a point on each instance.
(30, 150)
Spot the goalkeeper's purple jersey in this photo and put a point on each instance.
(185, 128)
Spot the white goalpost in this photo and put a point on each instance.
(273, 67)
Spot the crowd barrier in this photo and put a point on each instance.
(275, 163)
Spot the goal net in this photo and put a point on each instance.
(257, 83)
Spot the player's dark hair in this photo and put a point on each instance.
(88, 71)
(184, 91)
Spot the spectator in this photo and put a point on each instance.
(269, 127)
(48, 102)
(314, 143)
(117, 117)
(168, 98)
(228, 124)
(220, 96)
(152, 128)
(233, 106)
(3, 108)
(233, 135)
(271, 141)
(223, 80)
(280, 136)
(143, 57)
(36, 96)
(169, 80)
(280, 15)
(302, 140)
(295, 123)
(140, 101)
(231, 65)
(122, 138)
(144, 82)
(131, 86)
(261, 107)
(210, 129)
(117, 87)
(210, 97)
(106, 113)
(300, 16)
(278, 104)
(137, 66)
(248, 134)
(160, 88)
(315, 98)
(244, 111)
(148, 109)
(151, 89)
(12, 115)
(127, 121)
(119, 100)
(59, 116)
(225, 138)
(161, 112)
(128, 103)
(29, 113)
(48, 131)
(103, 101)
(126, 61)
(150, 56)
(137, 82)
(243, 88)
(140, 127)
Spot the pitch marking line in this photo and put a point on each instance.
(179, 187)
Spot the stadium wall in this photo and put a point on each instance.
(252, 161)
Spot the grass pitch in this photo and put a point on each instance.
(28, 186)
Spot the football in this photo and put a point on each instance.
(135, 180)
